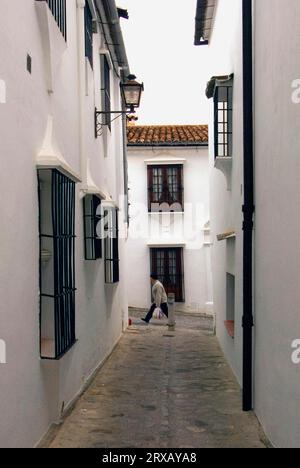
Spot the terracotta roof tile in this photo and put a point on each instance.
(173, 135)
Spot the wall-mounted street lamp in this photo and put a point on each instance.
(131, 92)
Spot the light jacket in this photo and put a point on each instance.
(159, 294)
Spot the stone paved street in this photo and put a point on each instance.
(162, 389)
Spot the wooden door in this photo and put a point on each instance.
(167, 264)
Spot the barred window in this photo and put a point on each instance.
(57, 263)
(92, 234)
(223, 101)
(59, 11)
(88, 19)
(165, 188)
(111, 242)
(105, 90)
(167, 264)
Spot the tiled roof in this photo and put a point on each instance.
(167, 135)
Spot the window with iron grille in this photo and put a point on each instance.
(167, 264)
(105, 90)
(57, 263)
(223, 120)
(59, 11)
(88, 19)
(111, 242)
(165, 188)
(92, 218)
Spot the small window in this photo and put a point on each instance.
(230, 304)
(111, 242)
(59, 11)
(223, 119)
(105, 90)
(92, 228)
(165, 188)
(29, 64)
(88, 19)
(57, 263)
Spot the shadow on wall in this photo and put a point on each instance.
(92, 270)
(110, 297)
(50, 381)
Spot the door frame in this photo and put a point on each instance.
(180, 297)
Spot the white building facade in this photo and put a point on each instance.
(63, 178)
(169, 215)
(265, 91)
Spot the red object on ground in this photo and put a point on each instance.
(129, 322)
(229, 324)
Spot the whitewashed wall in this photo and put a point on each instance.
(225, 57)
(277, 256)
(158, 229)
(33, 392)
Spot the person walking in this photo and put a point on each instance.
(160, 298)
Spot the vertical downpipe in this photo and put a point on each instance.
(248, 208)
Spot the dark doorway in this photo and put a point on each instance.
(167, 264)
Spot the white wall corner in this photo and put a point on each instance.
(89, 187)
(80, 3)
(53, 43)
(50, 157)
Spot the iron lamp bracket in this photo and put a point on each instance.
(105, 119)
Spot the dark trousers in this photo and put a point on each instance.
(164, 308)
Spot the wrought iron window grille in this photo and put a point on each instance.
(105, 90)
(167, 264)
(165, 189)
(92, 218)
(57, 275)
(111, 243)
(89, 31)
(59, 11)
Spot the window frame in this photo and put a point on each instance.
(88, 34)
(92, 242)
(161, 267)
(57, 279)
(106, 89)
(111, 245)
(223, 119)
(168, 198)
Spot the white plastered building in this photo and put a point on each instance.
(63, 292)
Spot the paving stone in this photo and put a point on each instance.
(162, 389)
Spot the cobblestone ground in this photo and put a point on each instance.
(162, 389)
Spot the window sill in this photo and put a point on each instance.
(48, 350)
(157, 213)
(229, 324)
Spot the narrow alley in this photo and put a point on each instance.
(162, 389)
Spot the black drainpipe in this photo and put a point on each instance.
(248, 208)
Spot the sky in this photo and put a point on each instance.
(159, 38)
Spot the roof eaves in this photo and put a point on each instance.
(173, 145)
(217, 81)
(204, 21)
